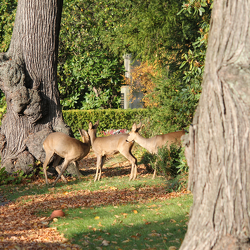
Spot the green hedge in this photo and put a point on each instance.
(108, 118)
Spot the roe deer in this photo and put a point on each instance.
(112, 144)
(152, 144)
(64, 146)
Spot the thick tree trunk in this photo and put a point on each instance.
(28, 73)
(218, 147)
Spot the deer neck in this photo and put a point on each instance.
(92, 137)
(142, 141)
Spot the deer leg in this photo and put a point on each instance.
(133, 173)
(102, 163)
(154, 174)
(55, 165)
(45, 164)
(98, 167)
(133, 162)
(78, 173)
(64, 166)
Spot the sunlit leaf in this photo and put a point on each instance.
(172, 248)
(105, 243)
(126, 241)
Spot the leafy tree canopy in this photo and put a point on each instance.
(151, 30)
(7, 18)
(89, 74)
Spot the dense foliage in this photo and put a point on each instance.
(150, 29)
(176, 94)
(109, 118)
(7, 18)
(89, 75)
(95, 35)
(170, 39)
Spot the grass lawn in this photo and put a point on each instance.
(110, 214)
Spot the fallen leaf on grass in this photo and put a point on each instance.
(100, 224)
(154, 235)
(146, 222)
(172, 248)
(35, 231)
(126, 241)
(137, 236)
(105, 243)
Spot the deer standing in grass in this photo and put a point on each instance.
(110, 145)
(154, 143)
(64, 146)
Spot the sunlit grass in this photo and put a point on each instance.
(158, 224)
(142, 219)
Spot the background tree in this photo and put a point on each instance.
(89, 75)
(150, 30)
(176, 39)
(218, 146)
(177, 92)
(28, 78)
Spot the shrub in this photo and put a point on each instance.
(109, 118)
(14, 178)
(169, 162)
(89, 75)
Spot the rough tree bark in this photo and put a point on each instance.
(28, 78)
(218, 142)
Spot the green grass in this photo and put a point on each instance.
(15, 191)
(158, 224)
(139, 224)
(135, 217)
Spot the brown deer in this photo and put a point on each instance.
(64, 146)
(154, 143)
(110, 145)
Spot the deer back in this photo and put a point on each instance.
(168, 139)
(111, 144)
(66, 146)
(152, 144)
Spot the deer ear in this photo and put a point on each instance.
(134, 127)
(90, 125)
(80, 131)
(139, 126)
(96, 124)
(84, 133)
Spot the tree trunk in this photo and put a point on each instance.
(218, 148)
(28, 78)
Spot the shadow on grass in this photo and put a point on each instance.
(36, 207)
(12, 192)
(160, 234)
(158, 224)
